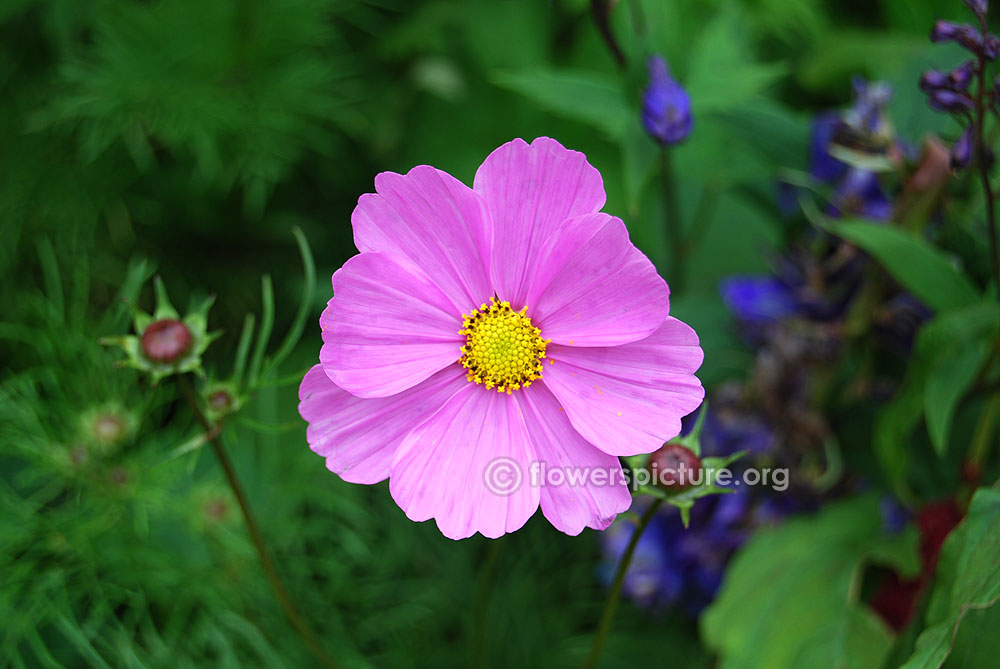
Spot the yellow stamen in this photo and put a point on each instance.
(502, 347)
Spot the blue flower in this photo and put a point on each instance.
(895, 516)
(677, 567)
(666, 107)
(758, 299)
(822, 165)
(860, 194)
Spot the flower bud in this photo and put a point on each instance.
(222, 399)
(979, 7)
(969, 38)
(991, 47)
(960, 78)
(961, 153)
(950, 101)
(674, 468)
(932, 80)
(666, 107)
(166, 341)
(944, 31)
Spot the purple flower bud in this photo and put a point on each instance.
(991, 47)
(961, 153)
(967, 36)
(979, 7)
(666, 107)
(970, 38)
(944, 31)
(932, 80)
(961, 76)
(950, 101)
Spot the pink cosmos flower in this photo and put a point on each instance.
(511, 322)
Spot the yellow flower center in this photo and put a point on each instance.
(503, 350)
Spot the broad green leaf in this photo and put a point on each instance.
(771, 129)
(842, 54)
(923, 269)
(790, 598)
(723, 73)
(948, 334)
(589, 97)
(967, 582)
(949, 380)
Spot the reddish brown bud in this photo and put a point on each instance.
(166, 341)
(674, 468)
(220, 401)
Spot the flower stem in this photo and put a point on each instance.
(213, 432)
(611, 603)
(600, 12)
(482, 603)
(675, 236)
(983, 166)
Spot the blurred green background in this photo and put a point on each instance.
(193, 136)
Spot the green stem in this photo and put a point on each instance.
(611, 603)
(675, 236)
(213, 433)
(482, 602)
(979, 126)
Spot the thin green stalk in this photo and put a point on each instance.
(611, 603)
(675, 235)
(482, 603)
(213, 433)
(979, 125)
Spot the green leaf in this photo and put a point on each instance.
(948, 382)
(723, 73)
(949, 334)
(842, 54)
(588, 97)
(791, 595)
(923, 269)
(967, 586)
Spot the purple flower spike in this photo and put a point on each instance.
(666, 107)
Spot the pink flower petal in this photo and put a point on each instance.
(594, 288)
(629, 399)
(435, 224)
(597, 494)
(386, 329)
(530, 190)
(460, 467)
(358, 437)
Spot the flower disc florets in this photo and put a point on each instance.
(503, 349)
